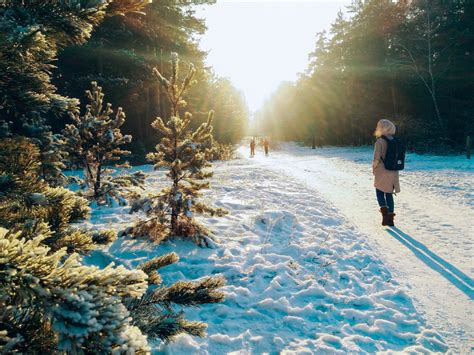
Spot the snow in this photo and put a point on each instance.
(431, 250)
(307, 266)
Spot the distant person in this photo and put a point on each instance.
(389, 158)
(252, 147)
(266, 145)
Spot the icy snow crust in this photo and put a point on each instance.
(300, 277)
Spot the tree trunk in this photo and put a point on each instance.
(174, 222)
(438, 114)
(89, 176)
(148, 118)
(174, 210)
(468, 147)
(97, 181)
(100, 58)
(430, 70)
(161, 92)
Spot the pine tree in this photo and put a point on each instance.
(49, 302)
(184, 155)
(54, 302)
(51, 148)
(159, 314)
(29, 204)
(95, 140)
(31, 34)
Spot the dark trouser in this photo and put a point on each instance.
(252, 150)
(266, 150)
(385, 200)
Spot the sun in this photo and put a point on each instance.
(258, 44)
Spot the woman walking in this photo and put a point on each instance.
(386, 182)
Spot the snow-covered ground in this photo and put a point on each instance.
(308, 268)
(431, 250)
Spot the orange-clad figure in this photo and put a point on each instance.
(252, 147)
(266, 145)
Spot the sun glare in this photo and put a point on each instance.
(258, 44)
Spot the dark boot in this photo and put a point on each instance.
(391, 217)
(385, 216)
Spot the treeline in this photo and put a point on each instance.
(120, 55)
(408, 61)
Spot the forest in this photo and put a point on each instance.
(119, 51)
(408, 61)
(83, 84)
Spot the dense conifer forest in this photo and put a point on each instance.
(409, 61)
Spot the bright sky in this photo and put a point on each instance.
(260, 43)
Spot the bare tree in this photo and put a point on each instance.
(424, 58)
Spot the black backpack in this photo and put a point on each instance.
(395, 156)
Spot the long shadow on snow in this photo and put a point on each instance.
(459, 279)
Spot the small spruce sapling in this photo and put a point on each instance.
(95, 140)
(184, 154)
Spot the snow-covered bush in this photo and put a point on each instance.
(184, 154)
(94, 140)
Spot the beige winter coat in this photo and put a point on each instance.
(385, 180)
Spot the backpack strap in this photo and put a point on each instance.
(385, 138)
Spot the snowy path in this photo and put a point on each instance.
(431, 249)
(300, 277)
